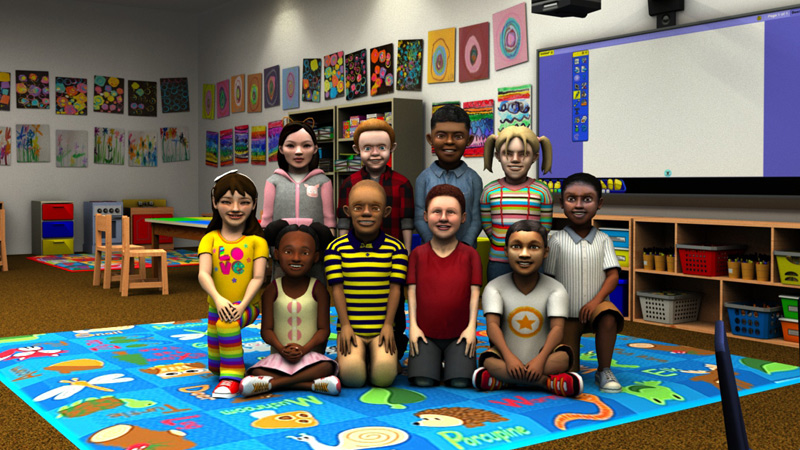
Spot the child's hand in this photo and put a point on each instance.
(346, 337)
(586, 311)
(468, 335)
(535, 368)
(516, 369)
(292, 353)
(414, 335)
(226, 310)
(386, 339)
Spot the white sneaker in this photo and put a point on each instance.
(254, 385)
(329, 385)
(607, 381)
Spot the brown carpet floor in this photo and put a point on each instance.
(35, 298)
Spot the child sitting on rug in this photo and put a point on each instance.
(296, 317)
(233, 259)
(525, 313)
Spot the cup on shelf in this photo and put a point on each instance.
(648, 261)
(748, 270)
(660, 262)
(762, 272)
(734, 269)
(670, 263)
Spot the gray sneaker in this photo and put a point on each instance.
(607, 381)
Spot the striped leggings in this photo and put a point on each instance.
(225, 355)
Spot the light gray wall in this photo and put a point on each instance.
(83, 39)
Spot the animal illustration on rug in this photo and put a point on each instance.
(358, 438)
(456, 416)
(270, 420)
(652, 391)
(604, 412)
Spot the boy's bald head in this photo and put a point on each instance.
(373, 187)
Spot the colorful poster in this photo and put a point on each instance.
(254, 93)
(5, 91)
(72, 148)
(142, 149)
(473, 52)
(272, 86)
(208, 101)
(442, 56)
(5, 146)
(174, 95)
(33, 143)
(514, 106)
(312, 79)
(436, 105)
(71, 96)
(356, 74)
(510, 36)
(109, 94)
(109, 146)
(291, 88)
(142, 101)
(212, 148)
(481, 116)
(241, 144)
(258, 145)
(174, 144)
(409, 65)
(382, 70)
(334, 76)
(226, 147)
(580, 96)
(33, 89)
(274, 133)
(237, 93)
(223, 98)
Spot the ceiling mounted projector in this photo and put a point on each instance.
(565, 8)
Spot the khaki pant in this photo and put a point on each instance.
(353, 367)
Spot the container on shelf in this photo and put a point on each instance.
(623, 256)
(669, 306)
(707, 260)
(790, 329)
(619, 296)
(788, 267)
(619, 236)
(789, 303)
(747, 319)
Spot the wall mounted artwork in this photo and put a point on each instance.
(109, 94)
(291, 88)
(71, 96)
(5, 91)
(272, 86)
(226, 147)
(273, 135)
(237, 93)
(312, 79)
(356, 74)
(33, 89)
(142, 98)
(72, 148)
(212, 148)
(514, 106)
(109, 146)
(409, 65)
(223, 98)
(442, 56)
(241, 144)
(33, 143)
(174, 144)
(258, 145)
(254, 92)
(473, 52)
(334, 76)
(5, 146)
(142, 149)
(382, 70)
(208, 101)
(481, 116)
(510, 36)
(174, 95)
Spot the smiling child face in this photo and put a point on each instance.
(298, 149)
(366, 207)
(449, 140)
(234, 208)
(516, 160)
(526, 252)
(444, 217)
(580, 202)
(297, 253)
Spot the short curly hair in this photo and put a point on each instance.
(447, 190)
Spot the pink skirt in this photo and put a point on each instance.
(277, 362)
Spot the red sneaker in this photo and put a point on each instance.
(567, 384)
(226, 389)
(483, 381)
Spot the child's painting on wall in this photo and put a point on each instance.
(174, 144)
(33, 143)
(142, 149)
(109, 146)
(72, 148)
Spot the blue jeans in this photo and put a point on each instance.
(494, 269)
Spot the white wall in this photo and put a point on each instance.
(84, 39)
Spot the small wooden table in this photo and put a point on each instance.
(193, 228)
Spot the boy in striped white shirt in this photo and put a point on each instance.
(582, 258)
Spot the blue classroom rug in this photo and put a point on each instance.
(84, 262)
(134, 386)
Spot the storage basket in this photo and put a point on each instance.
(789, 303)
(788, 267)
(754, 321)
(669, 306)
(790, 330)
(707, 260)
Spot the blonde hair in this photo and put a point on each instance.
(496, 142)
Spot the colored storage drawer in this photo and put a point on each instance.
(57, 211)
(788, 267)
(624, 257)
(57, 229)
(790, 330)
(58, 246)
(619, 236)
(619, 296)
(789, 303)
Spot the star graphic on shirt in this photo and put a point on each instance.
(233, 280)
(526, 322)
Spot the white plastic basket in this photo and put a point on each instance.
(669, 306)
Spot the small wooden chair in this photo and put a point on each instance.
(3, 256)
(129, 252)
(103, 244)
